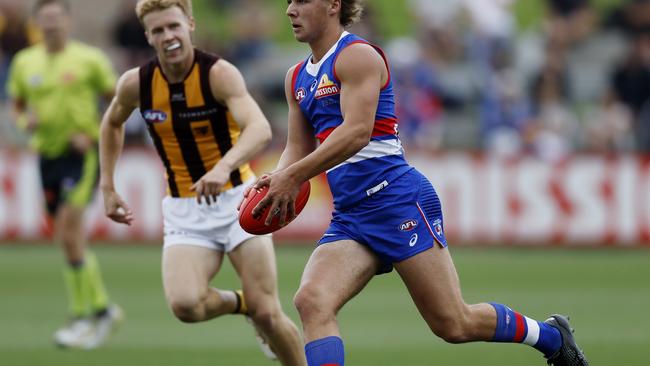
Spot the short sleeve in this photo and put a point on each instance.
(104, 77)
(15, 83)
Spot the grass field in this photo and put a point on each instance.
(607, 293)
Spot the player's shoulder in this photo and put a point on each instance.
(128, 86)
(86, 51)
(359, 52)
(358, 58)
(30, 53)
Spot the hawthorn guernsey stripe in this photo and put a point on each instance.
(190, 129)
(316, 89)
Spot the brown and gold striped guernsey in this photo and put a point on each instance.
(190, 129)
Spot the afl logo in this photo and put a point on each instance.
(154, 116)
(408, 225)
(300, 94)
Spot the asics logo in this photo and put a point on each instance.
(414, 240)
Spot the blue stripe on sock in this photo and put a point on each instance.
(550, 339)
(325, 351)
(506, 324)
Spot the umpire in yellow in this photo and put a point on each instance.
(55, 87)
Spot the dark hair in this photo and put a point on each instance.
(65, 4)
(351, 11)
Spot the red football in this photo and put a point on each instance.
(256, 225)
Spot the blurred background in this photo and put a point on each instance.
(531, 118)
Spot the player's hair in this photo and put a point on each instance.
(144, 7)
(65, 4)
(351, 11)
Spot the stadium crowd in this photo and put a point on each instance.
(470, 74)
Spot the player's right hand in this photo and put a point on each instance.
(249, 188)
(116, 209)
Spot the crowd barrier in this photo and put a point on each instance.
(586, 200)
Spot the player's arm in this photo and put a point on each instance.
(25, 120)
(228, 87)
(300, 133)
(16, 87)
(111, 141)
(361, 71)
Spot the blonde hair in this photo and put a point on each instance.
(144, 7)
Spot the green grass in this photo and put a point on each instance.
(606, 291)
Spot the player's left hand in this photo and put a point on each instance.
(281, 197)
(210, 184)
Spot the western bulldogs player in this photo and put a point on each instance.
(386, 213)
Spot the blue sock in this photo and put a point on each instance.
(326, 351)
(513, 327)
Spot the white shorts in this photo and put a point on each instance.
(215, 226)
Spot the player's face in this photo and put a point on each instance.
(308, 18)
(169, 33)
(54, 22)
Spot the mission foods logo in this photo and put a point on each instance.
(326, 88)
(408, 225)
(154, 116)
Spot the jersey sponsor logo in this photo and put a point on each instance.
(408, 225)
(198, 114)
(326, 88)
(154, 116)
(300, 94)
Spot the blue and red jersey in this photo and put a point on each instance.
(316, 89)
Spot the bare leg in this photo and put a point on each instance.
(187, 271)
(433, 283)
(254, 261)
(335, 273)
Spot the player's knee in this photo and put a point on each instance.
(311, 301)
(186, 310)
(265, 316)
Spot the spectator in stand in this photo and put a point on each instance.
(252, 42)
(421, 97)
(16, 33)
(128, 35)
(630, 85)
(504, 111)
(569, 21)
(553, 132)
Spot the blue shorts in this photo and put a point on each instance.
(396, 223)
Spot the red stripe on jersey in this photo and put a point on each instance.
(385, 127)
(382, 127)
(379, 51)
(520, 333)
(325, 134)
(295, 76)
